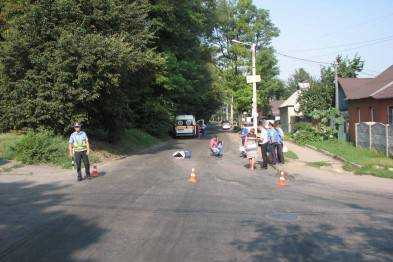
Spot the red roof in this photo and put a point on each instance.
(380, 87)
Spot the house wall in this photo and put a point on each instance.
(342, 98)
(380, 106)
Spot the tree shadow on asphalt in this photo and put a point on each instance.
(31, 230)
(3, 161)
(294, 242)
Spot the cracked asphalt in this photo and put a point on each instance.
(144, 209)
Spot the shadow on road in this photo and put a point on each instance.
(32, 228)
(323, 242)
(3, 161)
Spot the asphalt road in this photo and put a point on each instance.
(144, 209)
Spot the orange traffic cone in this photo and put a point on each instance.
(282, 180)
(193, 178)
(95, 173)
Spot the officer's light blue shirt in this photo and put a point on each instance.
(79, 141)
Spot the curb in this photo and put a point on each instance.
(333, 156)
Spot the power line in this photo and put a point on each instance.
(303, 59)
(354, 48)
(369, 42)
(367, 21)
(365, 72)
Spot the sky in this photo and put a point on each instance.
(320, 29)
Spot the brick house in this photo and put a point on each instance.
(367, 100)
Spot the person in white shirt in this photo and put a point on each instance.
(263, 144)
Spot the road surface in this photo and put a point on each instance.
(144, 209)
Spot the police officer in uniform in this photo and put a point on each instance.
(79, 148)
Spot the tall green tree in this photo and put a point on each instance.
(241, 20)
(299, 76)
(69, 60)
(183, 29)
(321, 95)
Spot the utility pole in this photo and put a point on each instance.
(232, 110)
(336, 86)
(254, 89)
(253, 79)
(336, 82)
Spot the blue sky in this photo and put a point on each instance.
(315, 24)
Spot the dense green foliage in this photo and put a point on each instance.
(110, 64)
(321, 95)
(40, 147)
(241, 20)
(305, 133)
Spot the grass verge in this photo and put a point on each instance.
(291, 155)
(44, 147)
(318, 164)
(372, 162)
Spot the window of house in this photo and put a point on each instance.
(390, 115)
(372, 114)
(358, 111)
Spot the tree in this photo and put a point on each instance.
(63, 61)
(321, 94)
(182, 30)
(317, 97)
(346, 68)
(299, 76)
(110, 64)
(243, 21)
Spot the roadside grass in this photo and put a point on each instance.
(8, 140)
(372, 162)
(318, 164)
(291, 155)
(44, 147)
(130, 141)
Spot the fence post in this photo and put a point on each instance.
(387, 139)
(356, 134)
(369, 135)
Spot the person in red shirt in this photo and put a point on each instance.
(214, 147)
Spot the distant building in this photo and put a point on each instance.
(366, 100)
(290, 111)
(275, 108)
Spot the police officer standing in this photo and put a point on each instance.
(79, 148)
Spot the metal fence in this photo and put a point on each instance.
(374, 135)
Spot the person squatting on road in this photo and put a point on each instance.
(79, 148)
(216, 147)
(263, 144)
(251, 149)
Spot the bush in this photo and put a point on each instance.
(305, 133)
(41, 147)
(132, 139)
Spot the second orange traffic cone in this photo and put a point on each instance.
(193, 177)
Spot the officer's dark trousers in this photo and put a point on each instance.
(265, 160)
(79, 156)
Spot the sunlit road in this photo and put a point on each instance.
(144, 209)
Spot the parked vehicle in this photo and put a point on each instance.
(185, 125)
(226, 126)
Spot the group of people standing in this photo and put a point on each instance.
(268, 142)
